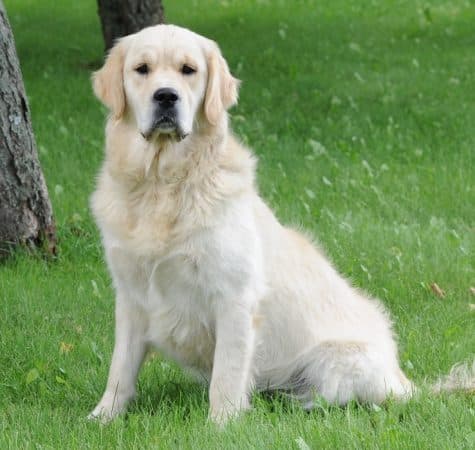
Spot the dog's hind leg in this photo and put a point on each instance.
(340, 371)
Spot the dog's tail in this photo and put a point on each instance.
(461, 378)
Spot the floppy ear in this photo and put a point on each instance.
(222, 88)
(108, 82)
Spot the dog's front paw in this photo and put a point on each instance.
(111, 405)
(222, 413)
(102, 414)
(107, 409)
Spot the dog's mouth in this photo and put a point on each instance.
(165, 125)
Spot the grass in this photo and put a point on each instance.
(363, 118)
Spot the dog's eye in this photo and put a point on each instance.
(187, 70)
(142, 69)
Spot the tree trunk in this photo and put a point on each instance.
(25, 210)
(122, 17)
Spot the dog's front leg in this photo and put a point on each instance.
(129, 351)
(231, 379)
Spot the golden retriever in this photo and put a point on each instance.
(202, 269)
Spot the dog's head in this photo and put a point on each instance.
(166, 78)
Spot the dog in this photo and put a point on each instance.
(202, 269)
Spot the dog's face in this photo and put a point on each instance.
(165, 79)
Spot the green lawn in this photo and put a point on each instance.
(362, 114)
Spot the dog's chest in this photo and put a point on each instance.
(177, 295)
(180, 286)
(181, 312)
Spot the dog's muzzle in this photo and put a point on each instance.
(165, 119)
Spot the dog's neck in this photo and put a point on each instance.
(164, 160)
(181, 180)
(174, 160)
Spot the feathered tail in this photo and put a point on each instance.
(460, 378)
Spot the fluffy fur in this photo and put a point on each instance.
(202, 269)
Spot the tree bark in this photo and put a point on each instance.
(122, 17)
(25, 210)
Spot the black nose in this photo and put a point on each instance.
(166, 97)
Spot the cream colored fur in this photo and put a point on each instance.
(203, 270)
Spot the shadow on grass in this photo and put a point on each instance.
(183, 398)
(171, 397)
